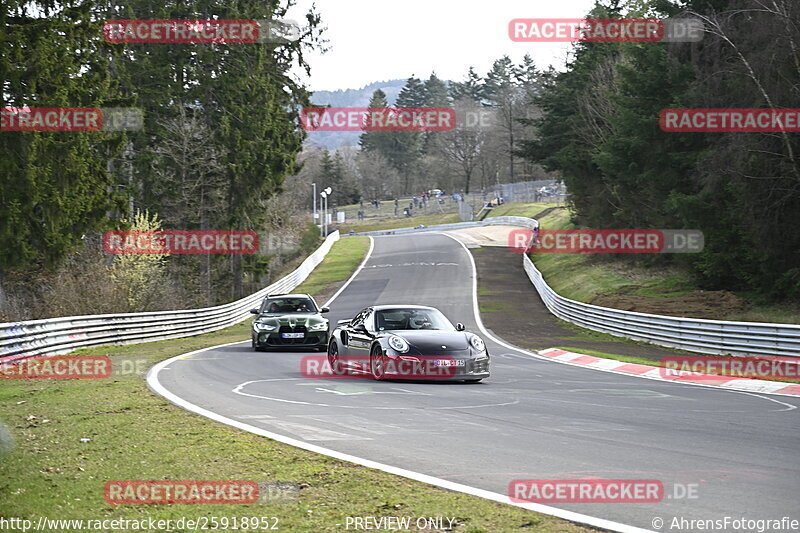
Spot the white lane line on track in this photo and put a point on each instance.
(353, 276)
(789, 407)
(311, 433)
(239, 390)
(158, 388)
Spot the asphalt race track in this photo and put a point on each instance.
(533, 419)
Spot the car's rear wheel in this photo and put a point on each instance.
(377, 363)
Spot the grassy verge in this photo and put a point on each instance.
(52, 470)
(577, 277)
(339, 264)
(583, 278)
(520, 210)
(401, 222)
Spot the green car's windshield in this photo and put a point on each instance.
(410, 319)
(288, 305)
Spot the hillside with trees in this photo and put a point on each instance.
(600, 131)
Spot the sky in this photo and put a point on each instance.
(371, 40)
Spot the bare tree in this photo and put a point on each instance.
(463, 144)
(190, 179)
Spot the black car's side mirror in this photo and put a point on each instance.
(360, 328)
(254, 311)
(324, 309)
(460, 327)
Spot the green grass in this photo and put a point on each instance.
(779, 313)
(403, 222)
(492, 306)
(135, 434)
(520, 210)
(617, 357)
(583, 277)
(580, 277)
(339, 264)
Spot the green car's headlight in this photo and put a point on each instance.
(318, 327)
(265, 327)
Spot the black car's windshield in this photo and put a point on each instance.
(289, 305)
(411, 319)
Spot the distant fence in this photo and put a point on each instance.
(19, 340)
(494, 221)
(466, 207)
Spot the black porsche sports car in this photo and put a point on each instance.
(407, 342)
(289, 321)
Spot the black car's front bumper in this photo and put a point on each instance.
(473, 367)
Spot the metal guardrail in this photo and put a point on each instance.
(62, 335)
(692, 334)
(19, 340)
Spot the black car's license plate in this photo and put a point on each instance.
(449, 362)
(293, 335)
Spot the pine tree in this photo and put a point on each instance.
(54, 186)
(436, 92)
(471, 87)
(412, 94)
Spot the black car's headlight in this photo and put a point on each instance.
(398, 344)
(318, 327)
(477, 343)
(264, 327)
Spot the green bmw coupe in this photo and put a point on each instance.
(289, 321)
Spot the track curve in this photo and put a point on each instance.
(532, 419)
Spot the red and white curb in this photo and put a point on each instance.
(680, 376)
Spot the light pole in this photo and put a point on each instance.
(324, 218)
(328, 191)
(314, 198)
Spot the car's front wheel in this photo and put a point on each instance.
(377, 363)
(333, 358)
